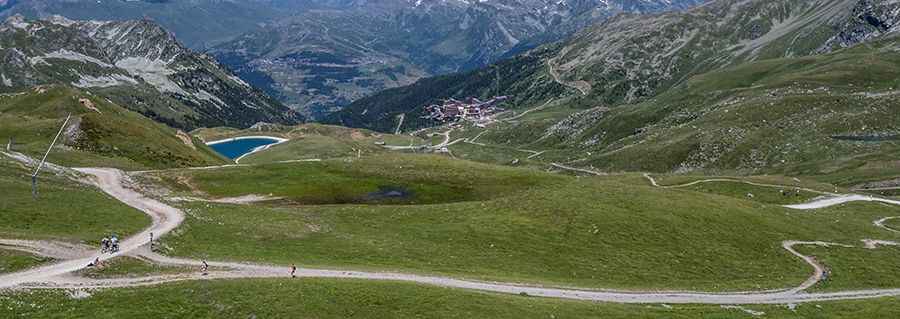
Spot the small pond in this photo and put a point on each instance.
(236, 147)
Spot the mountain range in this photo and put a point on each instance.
(680, 91)
(318, 56)
(135, 63)
(666, 91)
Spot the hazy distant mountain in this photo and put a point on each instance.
(195, 22)
(320, 60)
(135, 63)
(319, 55)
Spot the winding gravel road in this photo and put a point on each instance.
(165, 218)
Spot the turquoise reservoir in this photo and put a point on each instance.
(235, 148)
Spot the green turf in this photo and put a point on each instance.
(614, 232)
(769, 195)
(893, 224)
(857, 268)
(12, 260)
(493, 154)
(65, 210)
(419, 179)
(329, 298)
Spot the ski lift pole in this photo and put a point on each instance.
(34, 192)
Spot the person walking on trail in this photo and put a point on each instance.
(204, 267)
(293, 271)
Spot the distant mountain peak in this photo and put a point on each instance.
(16, 21)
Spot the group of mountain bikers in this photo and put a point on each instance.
(109, 244)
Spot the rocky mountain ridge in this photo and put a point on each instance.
(135, 63)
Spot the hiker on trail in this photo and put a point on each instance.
(293, 271)
(104, 245)
(95, 263)
(204, 267)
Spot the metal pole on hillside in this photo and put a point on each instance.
(34, 192)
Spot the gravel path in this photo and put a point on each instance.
(166, 218)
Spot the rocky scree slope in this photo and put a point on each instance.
(134, 63)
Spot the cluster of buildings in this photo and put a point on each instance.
(472, 108)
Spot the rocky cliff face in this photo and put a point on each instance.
(135, 63)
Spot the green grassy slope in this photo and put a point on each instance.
(111, 137)
(857, 268)
(614, 232)
(831, 116)
(11, 260)
(778, 116)
(419, 180)
(66, 210)
(328, 298)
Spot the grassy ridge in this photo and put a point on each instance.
(111, 137)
